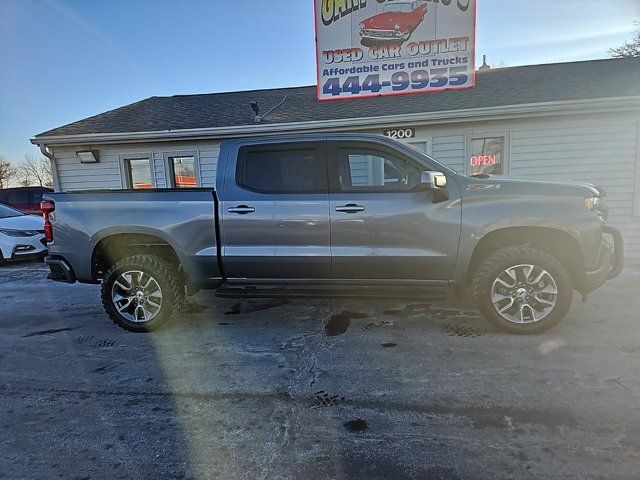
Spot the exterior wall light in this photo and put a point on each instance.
(89, 156)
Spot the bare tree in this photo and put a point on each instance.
(23, 177)
(34, 171)
(629, 49)
(7, 172)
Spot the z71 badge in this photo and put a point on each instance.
(474, 187)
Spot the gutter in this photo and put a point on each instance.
(47, 152)
(350, 124)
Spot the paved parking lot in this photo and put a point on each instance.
(314, 389)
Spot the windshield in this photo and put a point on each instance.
(8, 212)
(398, 7)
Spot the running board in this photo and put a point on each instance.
(383, 293)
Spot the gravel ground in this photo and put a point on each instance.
(314, 389)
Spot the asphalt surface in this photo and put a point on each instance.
(314, 389)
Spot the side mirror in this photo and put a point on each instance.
(433, 180)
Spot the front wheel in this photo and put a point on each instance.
(141, 293)
(522, 290)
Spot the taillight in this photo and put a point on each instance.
(47, 207)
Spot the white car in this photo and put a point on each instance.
(21, 235)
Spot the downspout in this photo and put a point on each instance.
(47, 152)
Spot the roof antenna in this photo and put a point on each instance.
(256, 109)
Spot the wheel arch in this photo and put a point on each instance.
(115, 246)
(555, 242)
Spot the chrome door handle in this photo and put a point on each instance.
(351, 208)
(241, 210)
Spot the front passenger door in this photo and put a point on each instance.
(383, 226)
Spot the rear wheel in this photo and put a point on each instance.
(141, 293)
(522, 290)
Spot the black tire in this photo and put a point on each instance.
(165, 276)
(494, 265)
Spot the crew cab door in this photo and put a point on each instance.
(275, 213)
(383, 226)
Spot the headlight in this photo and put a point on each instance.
(598, 204)
(19, 233)
(396, 26)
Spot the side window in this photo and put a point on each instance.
(138, 171)
(368, 170)
(282, 169)
(183, 172)
(18, 197)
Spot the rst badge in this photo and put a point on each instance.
(393, 47)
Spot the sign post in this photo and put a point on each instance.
(368, 48)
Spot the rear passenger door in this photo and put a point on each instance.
(275, 213)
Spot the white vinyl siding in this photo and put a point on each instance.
(600, 152)
(159, 171)
(636, 200)
(108, 173)
(450, 150)
(208, 166)
(74, 175)
(361, 167)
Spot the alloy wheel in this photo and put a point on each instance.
(524, 294)
(137, 296)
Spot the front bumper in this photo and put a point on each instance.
(371, 34)
(61, 271)
(611, 261)
(24, 248)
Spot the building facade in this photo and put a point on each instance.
(573, 121)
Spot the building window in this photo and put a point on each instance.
(183, 172)
(138, 172)
(422, 144)
(487, 154)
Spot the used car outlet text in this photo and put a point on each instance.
(412, 49)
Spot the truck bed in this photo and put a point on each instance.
(89, 224)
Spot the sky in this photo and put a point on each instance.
(64, 60)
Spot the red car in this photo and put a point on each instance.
(26, 199)
(397, 22)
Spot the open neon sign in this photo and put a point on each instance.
(483, 160)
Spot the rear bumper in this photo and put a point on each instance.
(61, 271)
(611, 261)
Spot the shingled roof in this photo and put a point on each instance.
(498, 87)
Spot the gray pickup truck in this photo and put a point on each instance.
(337, 215)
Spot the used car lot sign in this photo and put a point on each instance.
(371, 48)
